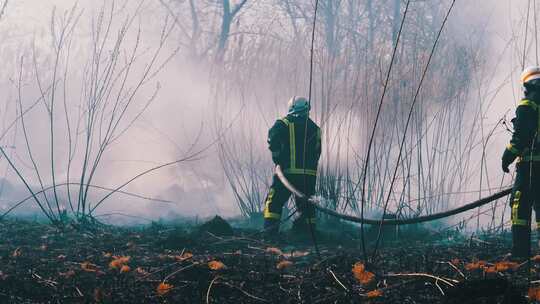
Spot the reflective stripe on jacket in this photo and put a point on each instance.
(287, 139)
(524, 142)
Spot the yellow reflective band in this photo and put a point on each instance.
(311, 220)
(528, 103)
(515, 208)
(292, 140)
(518, 222)
(267, 214)
(512, 149)
(300, 171)
(271, 215)
(529, 157)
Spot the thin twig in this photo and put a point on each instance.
(244, 292)
(337, 280)
(446, 281)
(210, 288)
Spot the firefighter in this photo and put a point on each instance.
(524, 146)
(295, 143)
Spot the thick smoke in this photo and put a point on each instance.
(202, 104)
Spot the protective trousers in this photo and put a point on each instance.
(525, 196)
(278, 195)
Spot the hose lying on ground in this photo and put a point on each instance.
(420, 219)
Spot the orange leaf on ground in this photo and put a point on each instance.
(358, 267)
(506, 265)
(119, 261)
(374, 293)
(284, 264)
(216, 265)
(125, 268)
(365, 277)
(475, 265)
(536, 258)
(184, 256)
(164, 288)
(88, 267)
(534, 293)
(360, 273)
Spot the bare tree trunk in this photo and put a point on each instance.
(226, 21)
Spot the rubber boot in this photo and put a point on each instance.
(521, 242)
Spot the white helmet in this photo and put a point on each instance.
(298, 106)
(529, 74)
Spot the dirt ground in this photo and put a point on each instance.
(215, 264)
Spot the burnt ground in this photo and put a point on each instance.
(40, 264)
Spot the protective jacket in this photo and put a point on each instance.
(287, 139)
(295, 143)
(524, 145)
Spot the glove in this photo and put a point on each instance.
(507, 159)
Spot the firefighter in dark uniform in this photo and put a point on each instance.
(295, 143)
(525, 147)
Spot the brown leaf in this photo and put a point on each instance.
(365, 277)
(119, 261)
(216, 265)
(107, 254)
(374, 293)
(163, 288)
(358, 267)
(89, 267)
(475, 265)
(506, 265)
(360, 273)
(534, 293)
(184, 256)
(124, 269)
(284, 264)
(536, 258)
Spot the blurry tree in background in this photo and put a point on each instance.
(256, 56)
(112, 69)
(266, 60)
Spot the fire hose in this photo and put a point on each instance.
(408, 221)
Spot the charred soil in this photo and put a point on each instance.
(163, 264)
